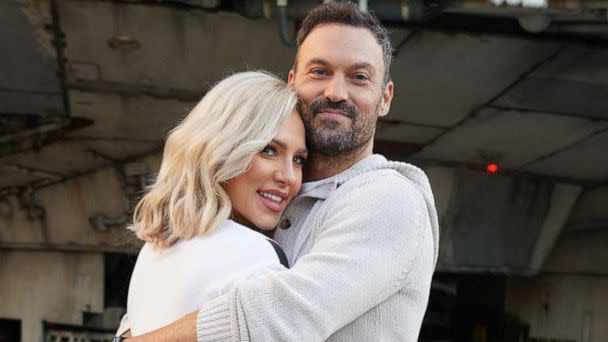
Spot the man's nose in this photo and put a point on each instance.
(335, 89)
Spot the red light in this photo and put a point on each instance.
(492, 168)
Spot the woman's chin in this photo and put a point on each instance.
(265, 222)
(267, 228)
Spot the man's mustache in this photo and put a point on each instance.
(323, 104)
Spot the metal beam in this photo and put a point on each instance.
(69, 248)
(562, 201)
(124, 89)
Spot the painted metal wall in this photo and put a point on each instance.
(561, 307)
(37, 286)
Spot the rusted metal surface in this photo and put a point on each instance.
(492, 223)
(29, 61)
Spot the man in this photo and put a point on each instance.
(363, 235)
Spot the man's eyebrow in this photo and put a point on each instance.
(284, 146)
(359, 65)
(317, 61)
(363, 65)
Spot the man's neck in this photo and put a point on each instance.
(321, 166)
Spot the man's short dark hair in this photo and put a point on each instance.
(347, 13)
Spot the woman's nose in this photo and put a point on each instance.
(286, 174)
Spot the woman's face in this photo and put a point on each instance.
(260, 195)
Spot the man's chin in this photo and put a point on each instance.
(322, 124)
(328, 143)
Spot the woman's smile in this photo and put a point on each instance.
(274, 200)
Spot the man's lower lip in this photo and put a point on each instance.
(331, 115)
(271, 205)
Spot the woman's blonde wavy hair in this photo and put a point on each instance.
(216, 142)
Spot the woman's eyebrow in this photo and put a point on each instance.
(280, 143)
(284, 146)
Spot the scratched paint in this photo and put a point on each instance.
(38, 14)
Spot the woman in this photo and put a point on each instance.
(233, 164)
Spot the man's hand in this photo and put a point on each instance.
(182, 330)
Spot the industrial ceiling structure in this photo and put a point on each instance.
(503, 103)
(87, 84)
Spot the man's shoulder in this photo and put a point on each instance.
(387, 178)
(376, 167)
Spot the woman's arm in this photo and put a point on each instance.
(182, 330)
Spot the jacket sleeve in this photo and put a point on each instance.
(364, 250)
(124, 325)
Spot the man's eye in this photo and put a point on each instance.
(269, 151)
(361, 77)
(319, 72)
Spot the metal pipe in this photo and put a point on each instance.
(69, 247)
(286, 38)
(59, 44)
(103, 222)
(363, 5)
(533, 19)
(206, 4)
(35, 171)
(576, 5)
(42, 129)
(386, 10)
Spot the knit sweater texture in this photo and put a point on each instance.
(363, 245)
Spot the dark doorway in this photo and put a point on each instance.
(470, 307)
(117, 274)
(10, 330)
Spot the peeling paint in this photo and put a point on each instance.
(38, 14)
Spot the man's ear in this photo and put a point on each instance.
(387, 98)
(290, 77)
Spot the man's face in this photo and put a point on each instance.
(339, 78)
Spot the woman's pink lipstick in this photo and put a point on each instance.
(274, 200)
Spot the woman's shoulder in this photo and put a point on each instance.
(233, 233)
(231, 243)
(229, 252)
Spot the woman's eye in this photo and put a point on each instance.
(299, 160)
(269, 151)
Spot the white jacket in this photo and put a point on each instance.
(169, 283)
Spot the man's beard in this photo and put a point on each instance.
(331, 137)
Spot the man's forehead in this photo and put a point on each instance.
(330, 41)
(336, 33)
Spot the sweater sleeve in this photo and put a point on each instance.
(365, 250)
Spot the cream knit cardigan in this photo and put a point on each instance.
(363, 245)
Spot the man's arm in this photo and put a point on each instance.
(364, 252)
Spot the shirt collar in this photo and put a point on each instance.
(330, 184)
